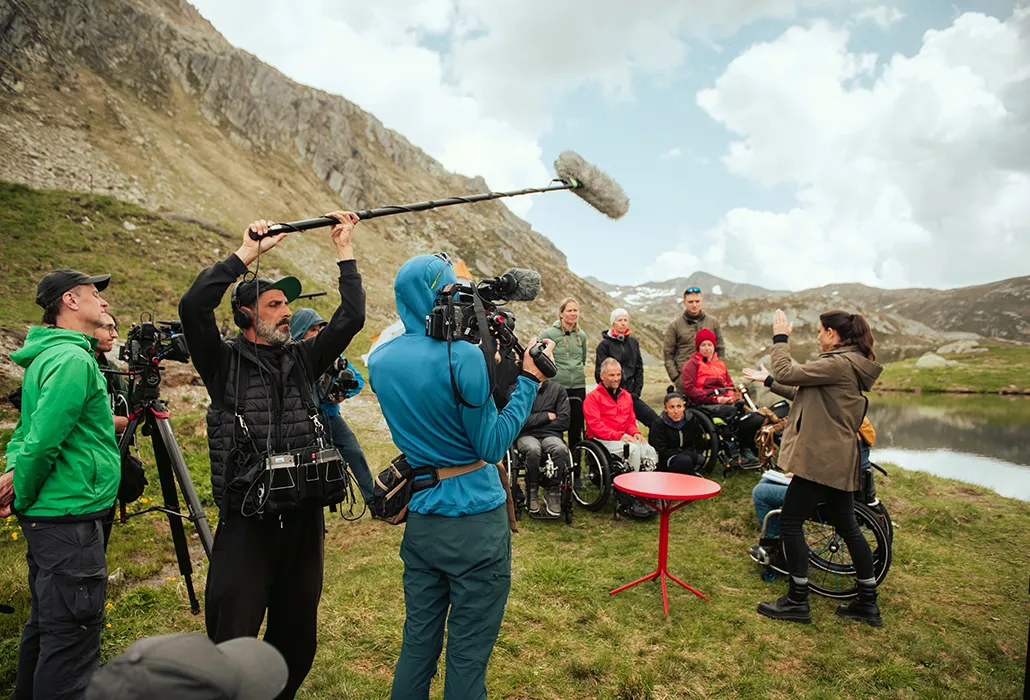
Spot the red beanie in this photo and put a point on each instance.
(703, 335)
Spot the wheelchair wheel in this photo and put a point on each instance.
(709, 447)
(832, 573)
(884, 518)
(590, 461)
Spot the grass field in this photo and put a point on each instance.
(955, 600)
(1002, 369)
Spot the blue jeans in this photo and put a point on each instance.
(347, 443)
(768, 496)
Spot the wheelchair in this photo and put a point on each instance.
(725, 427)
(596, 468)
(550, 474)
(831, 572)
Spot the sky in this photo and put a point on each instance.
(784, 143)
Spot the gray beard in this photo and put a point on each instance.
(270, 334)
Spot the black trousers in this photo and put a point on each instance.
(644, 413)
(60, 644)
(576, 415)
(798, 505)
(271, 564)
(682, 462)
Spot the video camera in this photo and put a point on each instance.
(149, 343)
(337, 381)
(455, 317)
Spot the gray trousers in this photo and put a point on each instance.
(60, 644)
(532, 450)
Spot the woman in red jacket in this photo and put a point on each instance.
(704, 372)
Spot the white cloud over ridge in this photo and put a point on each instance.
(880, 15)
(479, 100)
(915, 171)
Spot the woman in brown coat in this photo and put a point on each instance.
(819, 446)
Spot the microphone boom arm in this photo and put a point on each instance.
(321, 221)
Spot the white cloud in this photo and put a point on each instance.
(913, 172)
(473, 82)
(671, 154)
(880, 15)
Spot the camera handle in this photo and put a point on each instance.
(543, 363)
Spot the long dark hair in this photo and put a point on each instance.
(853, 329)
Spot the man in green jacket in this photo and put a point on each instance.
(62, 476)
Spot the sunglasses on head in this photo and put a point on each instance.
(443, 256)
(692, 290)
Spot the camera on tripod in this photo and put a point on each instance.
(455, 316)
(150, 342)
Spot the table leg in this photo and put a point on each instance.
(664, 510)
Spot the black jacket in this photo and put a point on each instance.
(274, 384)
(667, 440)
(551, 398)
(627, 352)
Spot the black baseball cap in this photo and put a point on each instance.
(191, 666)
(56, 283)
(247, 290)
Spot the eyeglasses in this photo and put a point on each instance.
(443, 256)
(692, 290)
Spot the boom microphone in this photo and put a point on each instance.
(516, 284)
(590, 183)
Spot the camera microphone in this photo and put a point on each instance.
(517, 284)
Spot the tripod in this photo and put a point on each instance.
(150, 412)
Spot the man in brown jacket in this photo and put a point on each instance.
(679, 336)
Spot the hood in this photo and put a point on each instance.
(42, 338)
(302, 320)
(416, 286)
(867, 369)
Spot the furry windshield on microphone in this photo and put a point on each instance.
(525, 284)
(596, 187)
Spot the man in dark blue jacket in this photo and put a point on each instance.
(457, 545)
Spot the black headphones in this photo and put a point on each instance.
(242, 316)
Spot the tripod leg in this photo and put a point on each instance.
(171, 500)
(189, 493)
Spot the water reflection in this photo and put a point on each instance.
(979, 439)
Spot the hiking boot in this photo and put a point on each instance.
(863, 608)
(552, 501)
(792, 607)
(534, 500)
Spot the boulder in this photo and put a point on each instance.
(933, 361)
(960, 346)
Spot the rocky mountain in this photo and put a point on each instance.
(145, 101)
(906, 322)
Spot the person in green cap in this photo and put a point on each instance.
(262, 404)
(62, 476)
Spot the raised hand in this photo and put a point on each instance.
(250, 249)
(343, 232)
(780, 324)
(756, 375)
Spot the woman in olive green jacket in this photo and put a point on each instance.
(570, 355)
(820, 448)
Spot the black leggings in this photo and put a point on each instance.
(682, 462)
(798, 505)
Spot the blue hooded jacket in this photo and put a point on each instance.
(410, 376)
(300, 322)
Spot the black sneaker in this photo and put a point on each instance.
(552, 501)
(534, 501)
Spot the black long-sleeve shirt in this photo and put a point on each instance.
(211, 355)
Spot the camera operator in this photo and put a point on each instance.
(260, 385)
(304, 324)
(63, 469)
(117, 387)
(457, 543)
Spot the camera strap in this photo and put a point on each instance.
(486, 345)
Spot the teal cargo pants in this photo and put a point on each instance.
(463, 564)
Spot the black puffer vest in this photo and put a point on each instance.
(276, 406)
